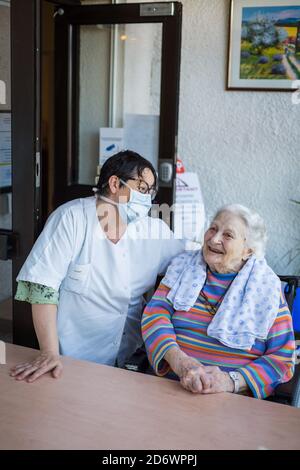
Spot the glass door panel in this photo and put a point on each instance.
(117, 70)
(119, 93)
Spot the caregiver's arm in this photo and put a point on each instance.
(45, 324)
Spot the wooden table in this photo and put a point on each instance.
(100, 407)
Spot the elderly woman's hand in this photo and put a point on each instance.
(196, 380)
(207, 379)
(217, 380)
(195, 377)
(182, 365)
(180, 362)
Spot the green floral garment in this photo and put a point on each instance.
(36, 293)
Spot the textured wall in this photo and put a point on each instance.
(243, 145)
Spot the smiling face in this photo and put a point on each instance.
(224, 248)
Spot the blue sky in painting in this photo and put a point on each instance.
(276, 13)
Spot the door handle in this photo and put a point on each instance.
(165, 172)
(9, 245)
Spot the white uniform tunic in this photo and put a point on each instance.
(101, 284)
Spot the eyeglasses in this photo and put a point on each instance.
(144, 187)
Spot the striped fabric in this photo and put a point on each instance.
(265, 366)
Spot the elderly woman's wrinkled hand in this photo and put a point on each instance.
(180, 362)
(209, 379)
(217, 380)
(195, 379)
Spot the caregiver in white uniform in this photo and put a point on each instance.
(97, 256)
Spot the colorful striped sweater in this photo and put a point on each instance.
(265, 366)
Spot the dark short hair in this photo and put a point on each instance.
(125, 165)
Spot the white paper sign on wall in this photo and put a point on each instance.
(189, 214)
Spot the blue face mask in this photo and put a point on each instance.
(137, 207)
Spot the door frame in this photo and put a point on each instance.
(27, 160)
(26, 152)
(24, 148)
(66, 94)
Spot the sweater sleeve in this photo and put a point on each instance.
(277, 364)
(157, 330)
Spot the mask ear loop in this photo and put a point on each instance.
(130, 189)
(124, 182)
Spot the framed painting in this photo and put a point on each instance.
(264, 45)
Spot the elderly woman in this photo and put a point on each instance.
(219, 320)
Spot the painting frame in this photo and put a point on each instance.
(256, 63)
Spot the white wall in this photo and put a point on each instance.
(243, 145)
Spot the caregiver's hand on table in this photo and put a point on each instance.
(44, 319)
(46, 361)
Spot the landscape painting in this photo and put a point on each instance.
(269, 44)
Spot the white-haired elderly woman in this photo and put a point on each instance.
(219, 320)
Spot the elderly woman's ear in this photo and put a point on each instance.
(248, 253)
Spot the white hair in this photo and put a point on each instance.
(256, 229)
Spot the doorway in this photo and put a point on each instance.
(117, 70)
(83, 76)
